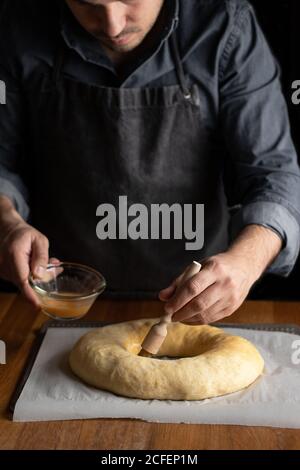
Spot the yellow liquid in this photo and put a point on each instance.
(67, 308)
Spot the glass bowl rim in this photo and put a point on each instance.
(70, 298)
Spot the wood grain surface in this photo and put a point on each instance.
(19, 324)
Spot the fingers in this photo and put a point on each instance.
(166, 294)
(214, 314)
(214, 293)
(199, 304)
(191, 289)
(24, 249)
(54, 261)
(20, 273)
(39, 256)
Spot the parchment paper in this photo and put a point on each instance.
(52, 392)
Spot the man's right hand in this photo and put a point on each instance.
(23, 249)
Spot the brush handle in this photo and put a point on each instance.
(158, 332)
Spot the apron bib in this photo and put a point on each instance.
(93, 144)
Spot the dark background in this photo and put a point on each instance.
(279, 20)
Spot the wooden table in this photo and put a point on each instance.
(18, 326)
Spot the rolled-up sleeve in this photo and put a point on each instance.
(11, 142)
(262, 166)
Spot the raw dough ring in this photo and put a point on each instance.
(211, 363)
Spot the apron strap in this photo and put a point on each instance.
(179, 67)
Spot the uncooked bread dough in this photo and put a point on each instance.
(211, 363)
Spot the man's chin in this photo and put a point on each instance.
(122, 46)
(120, 49)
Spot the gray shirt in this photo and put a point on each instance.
(224, 53)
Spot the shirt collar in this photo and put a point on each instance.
(89, 48)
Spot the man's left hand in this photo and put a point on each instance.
(224, 280)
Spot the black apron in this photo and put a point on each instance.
(91, 144)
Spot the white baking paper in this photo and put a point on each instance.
(52, 392)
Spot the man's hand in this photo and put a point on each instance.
(224, 280)
(23, 249)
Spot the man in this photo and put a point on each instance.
(162, 102)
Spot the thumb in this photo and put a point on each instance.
(39, 256)
(166, 294)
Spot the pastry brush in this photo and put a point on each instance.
(158, 332)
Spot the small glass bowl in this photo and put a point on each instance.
(67, 290)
